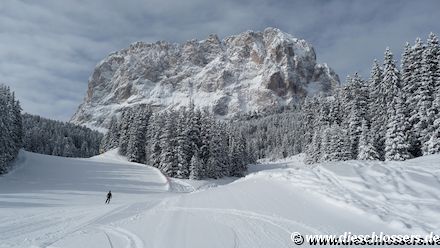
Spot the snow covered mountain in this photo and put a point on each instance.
(241, 73)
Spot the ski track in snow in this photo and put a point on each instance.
(66, 209)
(109, 240)
(177, 185)
(131, 239)
(278, 222)
(248, 225)
(85, 225)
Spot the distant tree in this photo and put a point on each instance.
(69, 149)
(57, 138)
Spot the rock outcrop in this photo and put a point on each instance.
(251, 71)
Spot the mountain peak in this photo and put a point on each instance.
(250, 71)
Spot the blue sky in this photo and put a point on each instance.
(48, 48)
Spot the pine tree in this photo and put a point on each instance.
(196, 167)
(396, 142)
(124, 131)
(17, 122)
(357, 107)
(168, 144)
(206, 123)
(430, 79)
(326, 145)
(58, 147)
(335, 108)
(313, 151)
(414, 97)
(340, 145)
(194, 132)
(367, 151)
(238, 155)
(137, 141)
(434, 141)
(408, 86)
(377, 111)
(436, 92)
(310, 105)
(153, 147)
(84, 150)
(183, 145)
(111, 138)
(391, 80)
(217, 162)
(10, 128)
(69, 149)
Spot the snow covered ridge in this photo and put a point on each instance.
(241, 73)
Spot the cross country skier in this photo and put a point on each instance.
(109, 196)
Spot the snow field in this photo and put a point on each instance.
(59, 202)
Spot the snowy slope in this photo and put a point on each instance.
(405, 195)
(59, 202)
(47, 198)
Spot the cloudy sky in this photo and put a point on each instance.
(48, 48)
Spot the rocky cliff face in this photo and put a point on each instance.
(245, 72)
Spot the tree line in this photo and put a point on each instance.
(40, 135)
(273, 136)
(182, 143)
(392, 116)
(58, 138)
